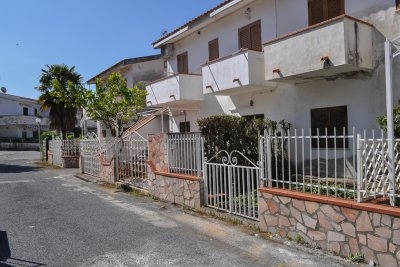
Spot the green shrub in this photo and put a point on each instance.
(229, 133)
(382, 121)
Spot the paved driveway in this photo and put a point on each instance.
(48, 217)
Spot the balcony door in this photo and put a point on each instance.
(321, 10)
(183, 63)
(250, 36)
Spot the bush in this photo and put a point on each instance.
(382, 121)
(229, 133)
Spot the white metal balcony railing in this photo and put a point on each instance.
(234, 74)
(21, 120)
(337, 46)
(175, 90)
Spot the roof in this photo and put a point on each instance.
(192, 22)
(122, 63)
(18, 98)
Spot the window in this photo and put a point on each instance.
(330, 119)
(25, 111)
(165, 65)
(184, 127)
(321, 10)
(397, 4)
(36, 113)
(24, 135)
(213, 50)
(250, 36)
(183, 63)
(255, 116)
(35, 135)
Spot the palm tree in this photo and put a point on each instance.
(58, 85)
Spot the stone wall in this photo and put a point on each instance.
(341, 226)
(172, 187)
(158, 153)
(175, 188)
(107, 170)
(70, 161)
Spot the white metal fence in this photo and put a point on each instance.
(184, 153)
(375, 169)
(323, 164)
(63, 148)
(90, 155)
(230, 187)
(131, 156)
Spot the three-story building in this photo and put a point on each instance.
(317, 64)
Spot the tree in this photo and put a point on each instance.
(62, 93)
(116, 105)
(382, 121)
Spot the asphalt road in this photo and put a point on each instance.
(48, 217)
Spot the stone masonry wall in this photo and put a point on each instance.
(341, 226)
(106, 172)
(172, 187)
(183, 190)
(158, 153)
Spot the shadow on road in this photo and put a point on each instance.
(5, 255)
(6, 168)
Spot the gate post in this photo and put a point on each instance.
(267, 138)
(359, 168)
(261, 159)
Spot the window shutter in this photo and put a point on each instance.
(244, 37)
(250, 36)
(255, 36)
(213, 50)
(335, 8)
(315, 11)
(183, 63)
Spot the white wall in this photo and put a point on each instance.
(363, 94)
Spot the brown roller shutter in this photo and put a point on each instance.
(255, 36)
(335, 8)
(244, 37)
(213, 50)
(183, 63)
(315, 11)
(250, 36)
(321, 10)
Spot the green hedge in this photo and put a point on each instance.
(229, 133)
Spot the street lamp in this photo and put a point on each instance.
(38, 121)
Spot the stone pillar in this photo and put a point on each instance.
(158, 153)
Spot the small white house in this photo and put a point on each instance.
(18, 117)
(315, 63)
(140, 69)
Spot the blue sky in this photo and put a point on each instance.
(91, 35)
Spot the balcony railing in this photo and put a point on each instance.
(175, 90)
(329, 49)
(21, 120)
(238, 73)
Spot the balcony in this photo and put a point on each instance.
(21, 120)
(239, 73)
(175, 90)
(340, 46)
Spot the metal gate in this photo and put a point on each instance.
(90, 155)
(374, 178)
(231, 187)
(131, 154)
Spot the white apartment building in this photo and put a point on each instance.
(315, 63)
(18, 117)
(140, 69)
